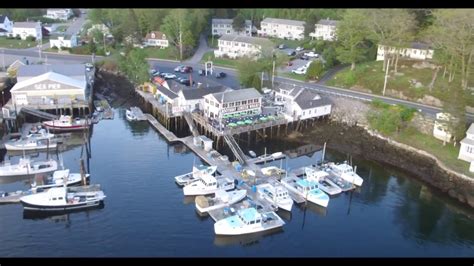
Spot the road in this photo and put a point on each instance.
(231, 79)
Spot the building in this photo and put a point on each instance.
(301, 103)
(12, 70)
(466, 152)
(75, 71)
(156, 38)
(25, 29)
(244, 102)
(282, 28)
(49, 89)
(59, 13)
(416, 50)
(440, 129)
(193, 99)
(6, 25)
(223, 26)
(325, 30)
(234, 46)
(61, 41)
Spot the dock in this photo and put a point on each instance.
(268, 158)
(169, 136)
(138, 113)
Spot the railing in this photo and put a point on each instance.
(190, 121)
(234, 146)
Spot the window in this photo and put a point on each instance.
(309, 112)
(215, 31)
(54, 198)
(231, 104)
(470, 149)
(228, 31)
(303, 112)
(244, 102)
(237, 103)
(252, 222)
(60, 198)
(224, 105)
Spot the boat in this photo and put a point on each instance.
(40, 134)
(272, 171)
(197, 172)
(66, 123)
(324, 183)
(28, 144)
(307, 189)
(130, 116)
(220, 199)
(276, 194)
(248, 221)
(252, 154)
(64, 198)
(341, 183)
(26, 167)
(208, 184)
(346, 172)
(57, 179)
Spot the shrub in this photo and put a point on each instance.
(315, 70)
(54, 47)
(31, 38)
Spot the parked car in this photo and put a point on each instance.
(221, 75)
(169, 76)
(299, 49)
(300, 70)
(178, 68)
(186, 69)
(304, 57)
(186, 82)
(292, 53)
(312, 54)
(282, 46)
(202, 72)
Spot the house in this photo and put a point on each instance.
(74, 71)
(12, 70)
(25, 29)
(234, 46)
(193, 99)
(223, 26)
(6, 25)
(325, 30)
(440, 129)
(416, 50)
(244, 102)
(64, 40)
(49, 89)
(156, 38)
(301, 103)
(466, 152)
(168, 97)
(282, 28)
(59, 13)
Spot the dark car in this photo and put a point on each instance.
(291, 53)
(304, 57)
(186, 82)
(221, 75)
(202, 72)
(186, 69)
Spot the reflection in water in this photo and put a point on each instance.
(245, 240)
(285, 215)
(188, 199)
(319, 210)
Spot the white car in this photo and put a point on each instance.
(300, 70)
(178, 68)
(308, 64)
(169, 76)
(299, 49)
(312, 54)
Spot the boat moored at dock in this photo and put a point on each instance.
(27, 167)
(208, 184)
(197, 172)
(345, 172)
(324, 183)
(307, 189)
(66, 123)
(276, 194)
(220, 199)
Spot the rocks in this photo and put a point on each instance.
(423, 64)
(430, 100)
(418, 85)
(399, 74)
(423, 123)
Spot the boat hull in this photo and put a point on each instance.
(66, 128)
(236, 197)
(10, 147)
(61, 208)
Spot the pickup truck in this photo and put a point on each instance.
(312, 54)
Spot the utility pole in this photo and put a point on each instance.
(3, 59)
(261, 81)
(386, 77)
(39, 48)
(273, 75)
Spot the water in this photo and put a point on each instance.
(146, 214)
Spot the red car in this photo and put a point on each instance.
(290, 63)
(186, 69)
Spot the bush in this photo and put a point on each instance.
(315, 70)
(54, 47)
(18, 37)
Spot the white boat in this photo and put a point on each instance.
(272, 170)
(307, 189)
(346, 172)
(197, 172)
(66, 123)
(130, 116)
(248, 221)
(324, 183)
(220, 199)
(40, 134)
(57, 179)
(252, 154)
(208, 184)
(29, 144)
(27, 167)
(276, 194)
(64, 198)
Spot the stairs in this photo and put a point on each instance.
(234, 146)
(190, 122)
(38, 113)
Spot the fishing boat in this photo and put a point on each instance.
(66, 123)
(130, 115)
(276, 194)
(307, 189)
(248, 221)
(27, 167)
(346, 172)
(220, 199)
(208, 184)
(29, 144)
(57, 179)
(272, 171)
(321, 177)
(64, 199)
(197, 172)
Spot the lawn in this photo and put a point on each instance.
(155, 52)
(289, 43)
(62, 28)
(218, 61)
(14, 43)
(292, 76)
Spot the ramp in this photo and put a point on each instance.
(38, 113)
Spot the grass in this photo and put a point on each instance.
(292, 76)
(212, 42)
(289, 43)
(155, 52)
(219, 61)
(14, 43)
(61, 28)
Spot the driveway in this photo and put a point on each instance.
(202, 49)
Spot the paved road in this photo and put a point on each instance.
(202, 49)
(76, 25)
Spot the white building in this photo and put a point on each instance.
(282, 28)
(440, 129)
(415, 51)
(466, 152)
(234, 46)
(300, 103)
(156, 38)
(49, 89)
(25, 29)
(325, 30)
(245, 102)
(223, 26)
(61, 41)
(59, 13)
(6, 25)
(193, 99)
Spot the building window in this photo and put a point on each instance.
(303, 112)
(470, 149)
(228, 31)
(215, 31)
(244, 102)
(224, 105)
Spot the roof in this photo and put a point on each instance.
(193, 94)
(293, 90)
(64, 69)
(328, 22)
(310, 99)
(25, 24)
(168, 93)
(246, 39)
(236, 95)
(467, 141)
(470, 130)
(284, 21)
(249, 214)
(2, 18)
(17, 64)
(158, 35)
(229, 21)
(306, 183)
(50, 76)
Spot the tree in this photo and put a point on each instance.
(315, 70)
(135, 66)
(76, 12)
(238, 24)
(92, 47)
(309, 25)
(351, 33)
(177, 27)
(330, 56)
(249, 72)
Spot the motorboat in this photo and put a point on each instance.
(130, 115)
(66, 123)
(346, 172)
(307, 189)
(197, 172)
(321, 177)
(272, 171)
(248, 221)
(27, 167)
(208, 184)
(276, 194)
(220, 199)
(57, 179)
(29, 144)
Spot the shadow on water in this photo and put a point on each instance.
(245, 240)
